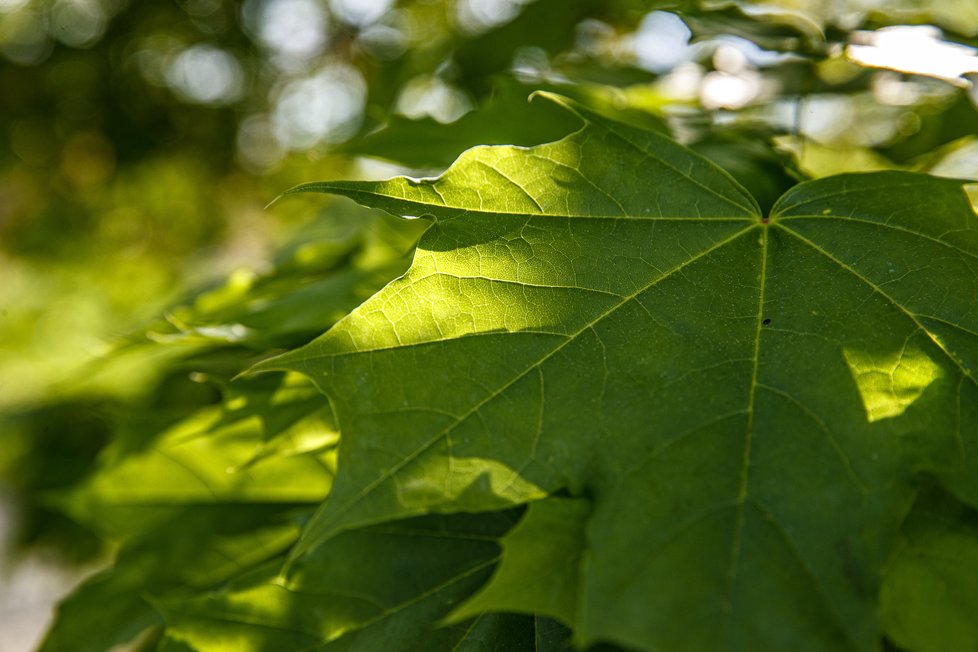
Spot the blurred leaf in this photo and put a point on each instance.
(749, 158)
(929, 595)
(770, 26)
(197, 461)
(200, 547)
(380, 588)
(510, 117)
(939, 124)
(956, 160)
(507, 118)
(545, 24)
(319, 278)
(45, 449)
(817, 161)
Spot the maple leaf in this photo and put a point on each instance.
(742, 400)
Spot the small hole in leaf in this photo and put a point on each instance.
(766, 322)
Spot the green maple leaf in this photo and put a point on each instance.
(742, 400)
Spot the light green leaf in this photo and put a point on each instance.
(743, 399)
(929, 595)
(816, 160)
(334, 264)
(200, 460)
(294, 417)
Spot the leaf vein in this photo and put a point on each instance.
(883, 225)
(909, 314)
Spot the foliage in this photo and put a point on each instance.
(638, 371)
(611, 316)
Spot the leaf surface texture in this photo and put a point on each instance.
(743, 399)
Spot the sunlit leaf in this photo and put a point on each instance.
(198, 461)
(957, 159)
(818, 161)
(743, 398)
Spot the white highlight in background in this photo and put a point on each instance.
(915, 49)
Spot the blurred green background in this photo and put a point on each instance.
(140, 143)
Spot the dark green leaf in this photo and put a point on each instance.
(929, 595)
(544, 24)
(537, 577)
(378, 588)
(507, 118)
(199, 548)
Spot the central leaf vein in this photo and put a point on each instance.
(749, 430)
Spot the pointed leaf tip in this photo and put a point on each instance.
(570, 105)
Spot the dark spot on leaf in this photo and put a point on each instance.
(851, 567)
(766, 322)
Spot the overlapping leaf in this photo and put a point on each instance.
(378, 588)
(195, 491)
(743, 399)
(506, 118)
(199, 548)
(199, 461)
(929, 595)
(331, 265)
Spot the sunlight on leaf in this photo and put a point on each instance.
(200, 460)
(889, 384)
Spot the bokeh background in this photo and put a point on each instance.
(140, 143)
